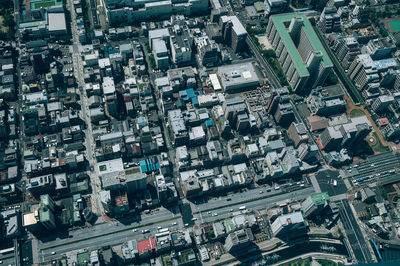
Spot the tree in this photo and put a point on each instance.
(269, 53)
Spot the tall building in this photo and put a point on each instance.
(160, 52)
(315, 204)
(233, 32)
(298, 133)
(42, 217)
(346, 49)
(329, 21)
(382, 103)
(364, 71)
(238, 240)
(299, 51)
(344, 135)
(289, 225)
(181, 45)
(208, 51)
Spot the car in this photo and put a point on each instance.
(372, 165)
(215, 214)
(231, 210)
(186, 224)
(277, 187)
(53, 253)
(134, 230)
(194, 219)
(261, 191)
(159, 227)
(228, 199)
(174, 223)
(1, 262)
(209, 212)
(143, 232)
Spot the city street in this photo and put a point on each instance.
(359, 245)
(89, 140)
(374, 168)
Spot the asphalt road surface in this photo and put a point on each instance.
(374, 168)
(356, 239)
(326, 180)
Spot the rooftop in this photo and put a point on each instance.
(280, 20)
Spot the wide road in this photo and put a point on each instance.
(356, 239)
(110, 239)
(220, 208)
(374, 168)
(112, 233)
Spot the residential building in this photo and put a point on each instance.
(329, 21)
(346, 49)
(382, 103)
(299, 51)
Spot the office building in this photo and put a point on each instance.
(329, 21)
(284, 115)
(160, 53)
(42, 217)
(379, 48)
(290, 225)
(298, 133)
(41, 185)
(326, 101)
(275, 6)
(233, 32)
(232, 107)
(181, 45)
(238, 240)
(299, 51)
(178, 127)
(238, 77)
(344, 135)
(130, 11)
(208, 51)
(315, 204)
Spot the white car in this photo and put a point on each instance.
(134, 230)
(215, 214)
(53, 253)
(174, 223)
